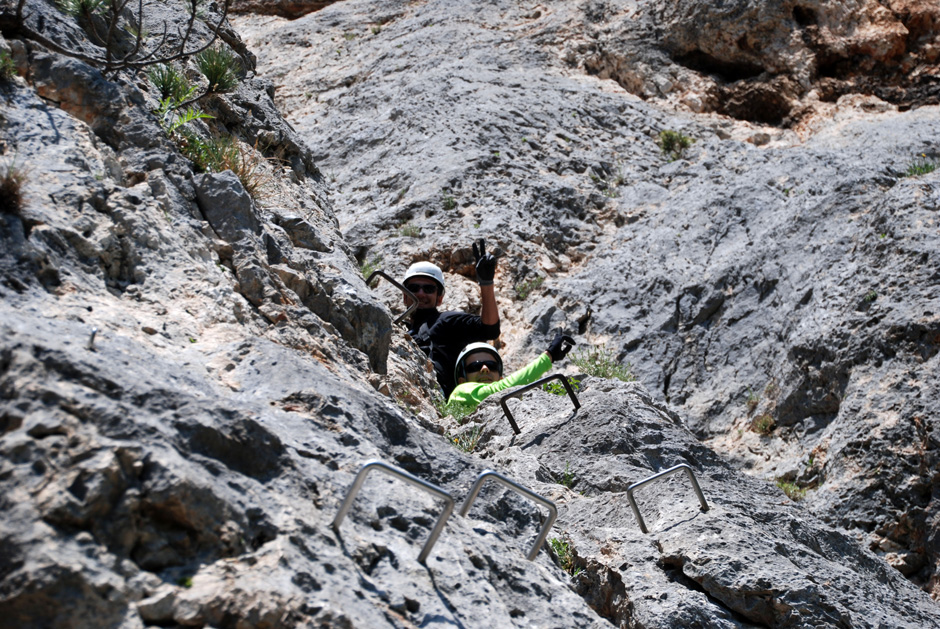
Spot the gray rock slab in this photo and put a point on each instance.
(770, 281)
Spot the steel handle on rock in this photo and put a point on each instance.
(552, 510)
(413, 480)
(518, 393)
(414, 300)
(664, 473)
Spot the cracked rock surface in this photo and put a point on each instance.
(193, 370)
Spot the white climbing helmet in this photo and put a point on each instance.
(426, 269)
(460, 368)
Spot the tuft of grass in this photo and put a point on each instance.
(368, 267)
(217, 154)
(172, 85)
(609, 185)
(673, 143)
(81, 8)
(186, 582)
(220, 67)
(600, 362)
(173, 121)
(458, 412)
(871, 295)
(557, 388)
(567, 477)
(772, 389)
(753, 399)
(793, 491)
(409, 230)
(921, 166)
(467, 440)
(763, 424)
(447, 200)
(565, 554)
(524, 289)
(134, 30)
(249, 165)
(7, 66)
(12, 180)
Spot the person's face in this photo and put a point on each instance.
(425, 290)
(481, 367)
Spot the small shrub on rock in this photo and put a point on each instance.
(557, 388)
(408, 230)
(368, 267)
(171, 83)
(600, 362)
(467, 440)
(793, 491)
(673, 143)
(921, 166)
(12, 180)
(524, 289)
(81, 8)
(7, 66)
(220, 68)
(763, 424)
(564, 552)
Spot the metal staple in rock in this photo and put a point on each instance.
(449, 507)
(413, 480)
(552, 510)
(414, 300)
(518, 393)
(664, 473)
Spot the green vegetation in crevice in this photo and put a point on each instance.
(793, 491)
(7, 66)
(563, 552)
(673, 144)
(921, 165)
(557, 388)
(409, 230)
(600, 362)
(12, 180)
(370, 266)
(467, 440)
(567, 477)
(524, 289)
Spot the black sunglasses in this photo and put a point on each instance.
(427, 289)
(478, 365)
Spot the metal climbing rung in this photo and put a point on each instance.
(647, 481)
(518, 393)
(405, 476)
(552, 510)
(414, 300)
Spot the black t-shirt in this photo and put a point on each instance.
(443, 335)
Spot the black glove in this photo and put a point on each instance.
(560, 347)
(485, 263)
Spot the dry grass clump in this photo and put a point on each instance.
(12, 181)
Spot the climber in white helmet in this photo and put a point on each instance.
(479, 371)
(443, 334)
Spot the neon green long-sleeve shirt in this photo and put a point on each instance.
(469, 394)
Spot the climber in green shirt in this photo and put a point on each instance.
(479, 371)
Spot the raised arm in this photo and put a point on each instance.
(486, 271)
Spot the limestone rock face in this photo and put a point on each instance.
(770, 62)
(289, 10)
(776, 286)
(193, 369)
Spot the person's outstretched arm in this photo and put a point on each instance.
(486, 271)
